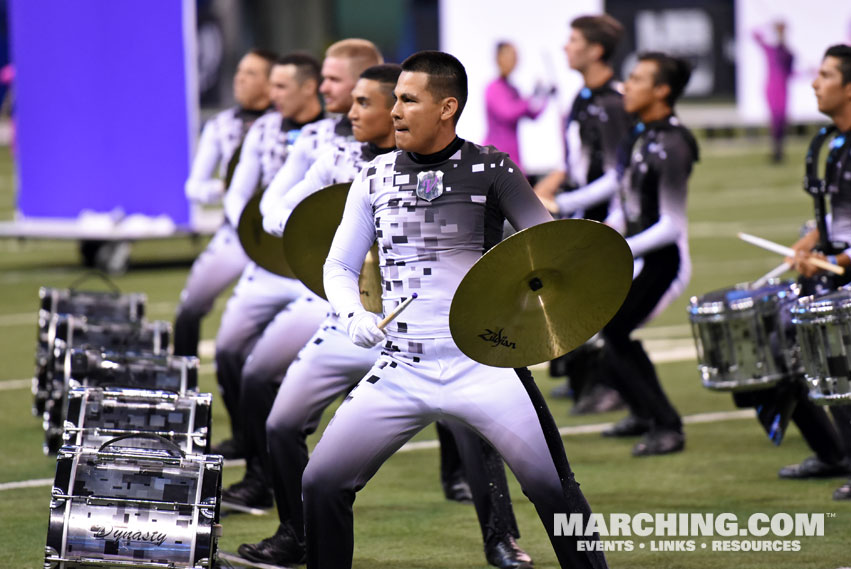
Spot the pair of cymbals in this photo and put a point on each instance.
(533, 297)
(307, 240)
(302, 250)
(263, 248)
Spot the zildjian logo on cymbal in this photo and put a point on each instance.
(497, 339)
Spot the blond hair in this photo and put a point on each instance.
(361, 54)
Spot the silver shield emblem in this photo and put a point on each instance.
(430, 185)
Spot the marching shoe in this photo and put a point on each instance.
(249, 493)
(843, 492)
(599, 399)
(506, 554)
(813, 467)
(283, 548)
(629, 426)
(660, 442)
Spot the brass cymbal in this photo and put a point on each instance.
(307, 240)
(261, 247)
(541, 293)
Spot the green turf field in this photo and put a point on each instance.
(401, 518)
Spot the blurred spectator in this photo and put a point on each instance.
(505, 107)
(779, 62)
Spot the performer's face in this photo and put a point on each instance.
(640, 93)
(251, 82)
(370, 113)
(288, 95)
(417, 115)
(831, 94)
(337, 84)
(580, 53)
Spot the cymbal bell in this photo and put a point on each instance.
(541, 293)
(307, 240)
(261, 247)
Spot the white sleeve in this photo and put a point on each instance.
(201, 186)
(600, 190)
(616, 219)
(354, 237)
(279, 211)
(299, 159)
(663, 232)
(246, 176)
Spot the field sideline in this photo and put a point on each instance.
(401, 518)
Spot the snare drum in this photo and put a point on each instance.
(742, 336)
(133, 507)
(823, 325)
(96, 415)
(93, 368)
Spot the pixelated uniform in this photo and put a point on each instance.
(259, 295)
(427, 246)
(329, 364)
(223, 259)
(269, 318)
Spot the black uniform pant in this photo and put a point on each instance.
(631, 372)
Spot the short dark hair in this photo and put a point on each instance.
(387, 74)
(267, 55)
(603, 30)
(446, 75)
(502, 45)
(674, 72)
(306, 66)
(842, 52)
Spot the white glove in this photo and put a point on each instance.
(205, 191)
(273, 224)
(363, 328)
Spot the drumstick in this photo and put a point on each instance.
(789, 252)
(396, 312)
(773, 273)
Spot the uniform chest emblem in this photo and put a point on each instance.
(430, 185)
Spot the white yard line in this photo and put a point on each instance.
(715, 417)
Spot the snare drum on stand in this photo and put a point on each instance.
(94, 368)
(742, 337)
(96, 415)
(120, 506)
(823, 325)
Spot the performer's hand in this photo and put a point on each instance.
(549, 203)
(273, 225)
(802, 264)
(363, 329)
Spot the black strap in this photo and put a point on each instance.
(96, 274)
(167, 445)
(815, 186)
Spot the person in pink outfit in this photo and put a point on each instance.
(779, 61)
(505, 106)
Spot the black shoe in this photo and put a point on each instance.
(843, 492)
(506, 554)
(228, 449)
(599, 399)
(813, 467)
(660, 442)
(629, 426)
(458, 491)
(248, 493)
(283, 548)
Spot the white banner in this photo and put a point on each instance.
(470, 30)
(811, 27)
